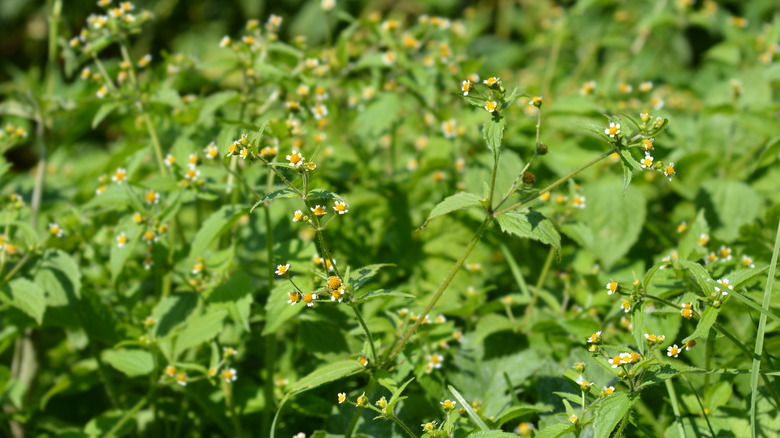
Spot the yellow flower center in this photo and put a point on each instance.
(295, 297)
(308, 298)
(334, 282)
(151, 196)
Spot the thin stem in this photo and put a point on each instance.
(103, 72)
(701, 405)
(447, 280)
(539, 283)
(362, 322)
(155, 142)
(270, 339)
(359, 410)
(229, 400)
(402, 425)
(493, 181)
(675, 407)
(555, 184)
(129, 414)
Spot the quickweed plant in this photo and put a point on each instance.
(342, 219)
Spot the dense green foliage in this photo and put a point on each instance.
(331, 218)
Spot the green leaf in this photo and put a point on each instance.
(455, 202)
(629, 164)
(555, 430)
(212, 104)
(118, 257)
(200, 329)
(131, 362)
(25, 296)
(324, 374)
(277, 310)
(360, 276)
(638, 323)
(103, 112)
(467, 406)
(219, 222)
(519, 411)
(614, 217)
(235, 296)
(701, 275)
(380, 293)
(610, 411)
(708, 317)
(492, 131)
(30, 236)
(492, 434)
(578, 232)
(324, 194)
(59, 275)
(530, 225)
(689, 248)
(378, 116)
(733, 203)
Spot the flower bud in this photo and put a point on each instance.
(528, 178)
(541, 148)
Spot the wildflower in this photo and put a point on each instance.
(626, 306)
(747, 261)
(152, 197)
(121, 240)
(319, 210)
(309, 298)
(724, 253)
(148, 263)
(448, 404)
(687, 311)
(573, 419)
(338, 294)
(724, 282)
(690, 344)
(119, 176)
(294, 297)
(651, 339)
(341, 207)
(536, 101)
(362, 360)
(149, 237)
(181, 379)
(298, 216)
(327, 5)
(138, 217)
(282, 269)
(334, 283)
(145, 60)
(492, 82)
(429, 426)
(435, 360)
(647, 162)
(169, 160)
(212, 372)
(473, 267)
(56, 230)
(612, 287)
(460, 165)
(645, 86)
(225, 41)
(441, 319)
(274, 22)
(669, 171)
(229, 375)
(170, 370)
(595, 338)
(608, 390)
(126, 6)
(673, 350)
(588, 88)
(704, 238)
(682, 227)
(584, 384)
(579, 201)
(342, 397)
(545, 196)
(616, 361)
(244, 153)
(211, 151)
(613, 130)
(389, 57)
(228, 351)
(319, 111)
(466, 86)
(439, 176)
(299, 435)
(491, 106)
(449, 128)
(197, 267)
(647, 144)
(625, 88)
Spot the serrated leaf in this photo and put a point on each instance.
(360, 276)
(492, 132)
(219, 222)
(277, 310)
(131, 362)
(708, 317)
(324, 374)
(519, 411)
(324, 194)
(455, 202)
(59, 275)
(555, 430)
(200, 329)
(530, 225)
(611, 410)
(25, 296)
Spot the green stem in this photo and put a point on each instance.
(675, 407)
(359, 409)
(402, 425)
(232, 407)
(362, 322)
(760, 337)
(129, 414)
(447, 280)
(701, 405)
(270, 339)
(555, 184)
(539, 283)
(155, 142)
